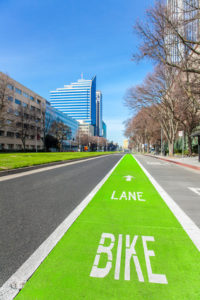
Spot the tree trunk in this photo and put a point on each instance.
(189, 145)
(171, 148)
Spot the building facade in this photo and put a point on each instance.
(54, 115)
(22, 122)
(99, 113)
(185, 12)
(104, 130)
(78, 100)
(85, 128)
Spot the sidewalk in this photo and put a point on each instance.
(189, 162)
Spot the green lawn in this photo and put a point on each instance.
(19, 160)
(162, 263)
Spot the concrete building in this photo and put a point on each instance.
(78, 100)
(22, 123)
(125, 145)
(99, 113)
(85, 128)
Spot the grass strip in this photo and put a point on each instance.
(19, 160)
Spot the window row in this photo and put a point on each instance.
(18, 91)
(18, 135)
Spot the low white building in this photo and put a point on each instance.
(86, 128)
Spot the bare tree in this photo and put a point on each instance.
(28, 124)
(143, 129)
(155, 92)
(167, 32)
(61, 132)
(6, 95)
(187, 92)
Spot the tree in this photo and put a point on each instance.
(50, 142)
(61, 132)
(28, 123)
(167, 31)
(187, 92)
(6, 96)
(143, 129)
(155, 92)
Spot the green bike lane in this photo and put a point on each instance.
(126, 244)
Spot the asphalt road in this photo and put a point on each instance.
(176, 181)
(32, 207)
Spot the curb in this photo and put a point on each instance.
(176, 162)
(41, 166)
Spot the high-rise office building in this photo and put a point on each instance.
(78, 100)
(185, 12)
(104, 130)
(99, 113)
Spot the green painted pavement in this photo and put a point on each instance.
(149, 255)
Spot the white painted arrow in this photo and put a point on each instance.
(129, 177)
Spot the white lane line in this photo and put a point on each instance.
(15, 283)
(195, 190)
(8, 177)
(188, 225)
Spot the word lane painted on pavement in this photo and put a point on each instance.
(130, 254)
(136, 196)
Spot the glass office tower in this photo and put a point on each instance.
(99, 113)
(78, 100)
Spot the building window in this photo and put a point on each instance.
(17, 113)
(10, 146)
(10, 134)
(25, 104)
(32, 98)
(10, 98)
(18, 91)
(19, 147)
(18, 135)
(8, 122)
(1, 133)
(25, 95)
(2, 146)
(10, 86)
(10, 110)
(32, 108)
(38, 101)
(17, 101)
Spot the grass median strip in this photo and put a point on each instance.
(18, 160)
(126, 244)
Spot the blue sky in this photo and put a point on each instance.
(47, 43)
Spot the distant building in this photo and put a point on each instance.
(98, 113)
(77, 100)
(104, 130)
(23, 118)
(125, 144)
(85, 128)
(53, 114)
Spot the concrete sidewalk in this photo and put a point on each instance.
(189, 162)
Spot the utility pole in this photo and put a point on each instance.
(161, 142)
